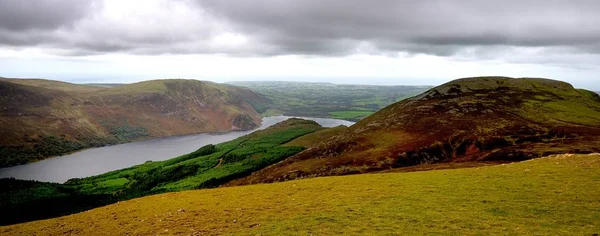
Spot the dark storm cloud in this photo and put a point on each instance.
(25, 15)
(317, 27)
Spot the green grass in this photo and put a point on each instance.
(350, 115)
(572, 111)
(547, 196)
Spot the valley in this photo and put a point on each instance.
(427, 117)
(338, 101)
(482, 147)
(95, 161)
(207, 167)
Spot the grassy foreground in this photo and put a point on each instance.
(556, 195)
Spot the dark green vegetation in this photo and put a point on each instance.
(43, 118)
(209, 166)
(472, 119)
(348, 102)
(45, 146)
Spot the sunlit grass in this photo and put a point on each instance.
(547, 196)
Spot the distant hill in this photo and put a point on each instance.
(471, 119)
(348, 102)
(103, 85)
(42, 118)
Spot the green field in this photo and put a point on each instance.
(547, 196)
(348, 102)
(350, 115)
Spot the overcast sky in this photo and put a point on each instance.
(339, 41)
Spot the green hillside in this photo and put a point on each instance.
(548, 196)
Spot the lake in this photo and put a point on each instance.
(96, 161)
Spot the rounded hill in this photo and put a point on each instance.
(470, 119)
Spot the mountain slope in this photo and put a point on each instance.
(41, 118)
(547, 196)
(471, 119)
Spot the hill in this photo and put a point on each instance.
(207, 167)
(547, 196)
(339, 101)
(471, 119)
(42, 118)
(103, 85)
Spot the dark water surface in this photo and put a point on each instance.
(96, 161)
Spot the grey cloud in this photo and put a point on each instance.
(23, 15)
(311, 27)
(431, 26)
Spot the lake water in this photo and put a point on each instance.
(96, 161)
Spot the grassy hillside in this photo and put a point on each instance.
(347, 102)
(311, 139)
(472, 119)
(209, 166)
(42, 118)
(547, 196)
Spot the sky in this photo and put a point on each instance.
(405, 42)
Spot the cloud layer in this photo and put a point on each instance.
(464, 28)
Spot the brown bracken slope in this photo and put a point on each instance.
(42, 118)
(471, 119)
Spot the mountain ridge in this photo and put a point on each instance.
(43, 118)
